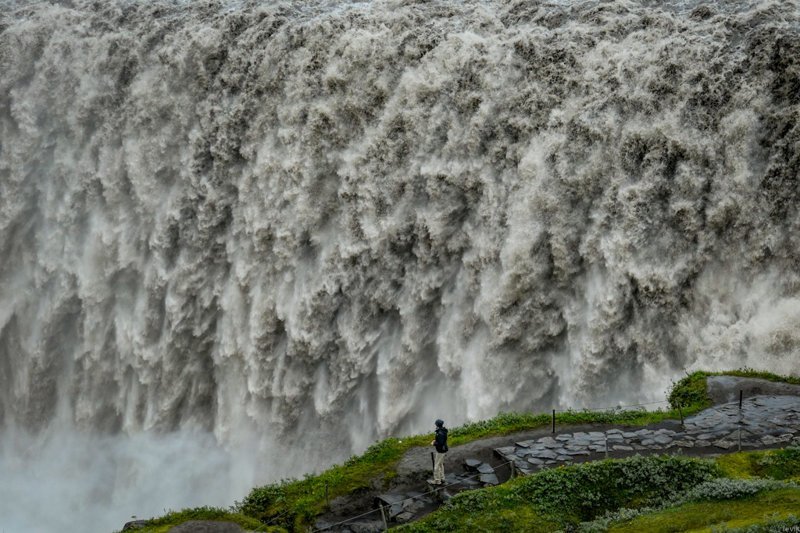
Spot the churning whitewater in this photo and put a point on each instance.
(243, 240)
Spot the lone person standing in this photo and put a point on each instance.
(440, 442)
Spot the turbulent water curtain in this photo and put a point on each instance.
(352, 218)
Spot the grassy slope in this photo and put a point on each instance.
(702, 516)
(294, 504)
(554, 499)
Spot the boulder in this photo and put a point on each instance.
(134, 524)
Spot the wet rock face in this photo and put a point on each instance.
(725, 389)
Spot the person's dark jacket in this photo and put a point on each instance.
(440, 441)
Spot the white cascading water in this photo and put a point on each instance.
(244, 240)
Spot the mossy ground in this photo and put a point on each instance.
(703, 516)
(294, 504)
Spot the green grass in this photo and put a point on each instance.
(774, 464)
(563, 497)
(295, 504)
(702, 516)
(172, 519)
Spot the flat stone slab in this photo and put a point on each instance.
(547, 454)
(484, 468)
(472, 464)
(505, 450)
(489, 479)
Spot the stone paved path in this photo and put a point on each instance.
(765, 421)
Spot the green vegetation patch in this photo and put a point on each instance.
(294, 504)
(568, 495)
(702, 516)
(172, 519)
(773, 464)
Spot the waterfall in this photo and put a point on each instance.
(243, 240)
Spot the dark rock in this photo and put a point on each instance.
(489, 479)
(206, 526)
(484, 468)
(389, 498)
(547, 454)
(472, 464)
(505, 451)
(367, 526)
(134, 524)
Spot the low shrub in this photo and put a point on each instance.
(583, 492)
(569, 495)
(729, 489)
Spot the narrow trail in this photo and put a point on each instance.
(769, 417)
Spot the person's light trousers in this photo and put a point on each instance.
(438, 466)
